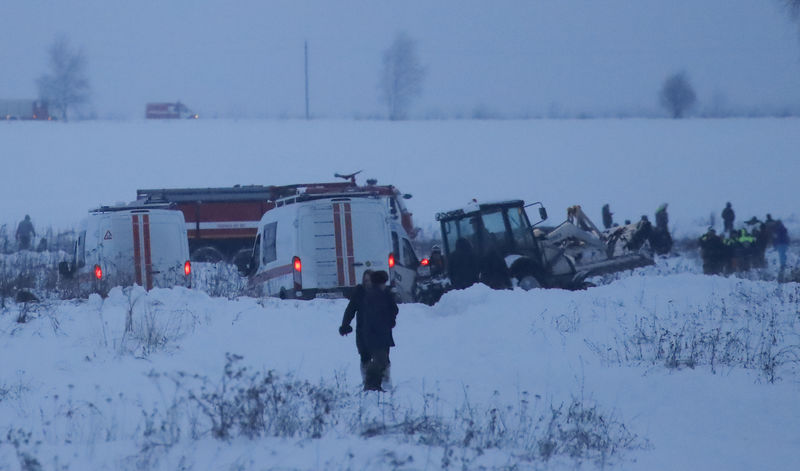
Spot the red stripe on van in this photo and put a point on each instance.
(221, 233)
(148, 264)
(348, 227)
(137, 253)
(337, 230)
(276, 272)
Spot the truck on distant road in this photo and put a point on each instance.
(24, 110)
(175, 110)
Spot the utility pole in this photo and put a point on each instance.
(306, 62)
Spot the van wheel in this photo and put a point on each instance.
(242, 258)
(207, 254)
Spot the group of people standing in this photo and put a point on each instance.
(744, 248)
(658, 236)
(374, 308)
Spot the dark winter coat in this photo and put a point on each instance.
(641, 235)
(607, 220)
(494, 271)
(378, 317)
(780, 235)
(714, 252)
(354, 310)
(436, 262)
(25, 230)
(463, 265)
(728, 216)
(662, 219)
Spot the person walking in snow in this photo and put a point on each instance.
(25, 233)
(375, 310)
(727, 217)
(354, 310)
(380, 317)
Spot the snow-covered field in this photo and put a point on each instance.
(660, 368)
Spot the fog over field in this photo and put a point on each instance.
(517, 58)
(58, 171)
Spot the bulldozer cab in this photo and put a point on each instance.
(497, 227)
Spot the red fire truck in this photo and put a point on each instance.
(222, 223)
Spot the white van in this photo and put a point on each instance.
(321, 248)
(126, 245)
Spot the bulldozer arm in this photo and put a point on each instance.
(594, 252)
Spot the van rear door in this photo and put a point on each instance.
(168, 249)
(142, 255)
(115, 246)
(154, 248)
(347, 237)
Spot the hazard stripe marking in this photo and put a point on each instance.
(148, 264)
(272, 273)
(137, 253)
(348, 226)
(337, 229)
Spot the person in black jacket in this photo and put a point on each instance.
(463, 265)
(354, 310)
(380, 317)
(727, 217)
(494, 272)
(714, 252)
(608, 221)
(25, 233)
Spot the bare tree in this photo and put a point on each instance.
(677, 95)
(65, 85)
(794, 8)
(401, 77)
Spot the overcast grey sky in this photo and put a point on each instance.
(245, 57)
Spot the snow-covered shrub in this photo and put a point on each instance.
(255, 404)
(150, 326)
(24, 447)
(252, 404)
(724, 333)
(576, 430)
(30, 272)
(218, 279)
(582, 431)
(161, 431)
